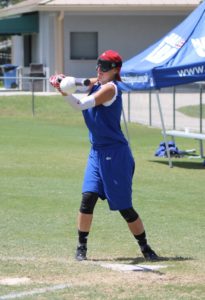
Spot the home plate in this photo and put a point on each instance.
(126, 268)
(14, 280)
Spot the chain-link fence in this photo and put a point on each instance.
(140, 107)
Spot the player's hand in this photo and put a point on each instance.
(55, 81)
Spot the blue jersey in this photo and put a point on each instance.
(103, 122)
(110, 165)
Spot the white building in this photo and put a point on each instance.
(67, 35)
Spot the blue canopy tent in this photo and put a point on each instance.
(177, 58)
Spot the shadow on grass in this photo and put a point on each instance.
(138, 260)
(182, 164)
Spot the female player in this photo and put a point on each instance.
(110, 164)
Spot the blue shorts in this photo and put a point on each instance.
(109, 173)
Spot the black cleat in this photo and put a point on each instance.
(149, 254)
(81, 253)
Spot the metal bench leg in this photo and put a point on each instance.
(201, 148)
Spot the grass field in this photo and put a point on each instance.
(42, 161)
(192, 110)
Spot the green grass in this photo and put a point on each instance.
(42, 160)
(192, 110)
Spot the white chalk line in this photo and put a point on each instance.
(36, 291)
(33, 259)
(115, 267)
(14, 280)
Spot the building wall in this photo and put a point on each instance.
(127, 34)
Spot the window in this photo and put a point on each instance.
(83, 45)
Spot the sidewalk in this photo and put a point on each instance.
(139, 110)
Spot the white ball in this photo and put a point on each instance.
(67, 85)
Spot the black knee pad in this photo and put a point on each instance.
(129, 214)
(88, 202)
